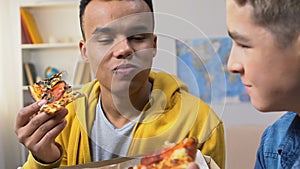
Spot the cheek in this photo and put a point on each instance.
(145, 57)
(94, 66)
(265, 76)
(95, 58)
(258, 74)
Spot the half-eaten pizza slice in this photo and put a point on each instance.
(55, 91)
(177, 156)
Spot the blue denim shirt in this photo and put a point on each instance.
(280, 144)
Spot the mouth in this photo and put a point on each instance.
(124, 68)
(247, 87)
(246, 84)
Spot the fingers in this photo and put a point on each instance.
(46, 126)
(39, 134)
(37, 145)
(50, 136)
(39, 126)
(24, 115)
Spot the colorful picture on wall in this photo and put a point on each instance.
(202, 65)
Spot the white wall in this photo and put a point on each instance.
(186, 19)
(10, 83)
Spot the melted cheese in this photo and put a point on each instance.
(179, 154)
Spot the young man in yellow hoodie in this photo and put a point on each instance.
(128, 110)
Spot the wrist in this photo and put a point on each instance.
(51, 157)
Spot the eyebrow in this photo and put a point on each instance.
(138, 29)
(102, 30)
(238, 36)
(132, 30)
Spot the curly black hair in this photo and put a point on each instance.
(84, 3)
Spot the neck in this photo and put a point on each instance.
(120, 108)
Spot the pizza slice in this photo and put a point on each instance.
(177, 156)
(55, 91)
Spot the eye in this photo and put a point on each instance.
(243, 45)
(138, 37)
(105, 41)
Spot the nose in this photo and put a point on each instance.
(234, 65)
(122, 49)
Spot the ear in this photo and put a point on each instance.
(154, 45)
(83, 50)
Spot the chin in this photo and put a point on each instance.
(263, 110)
(268, 107)
(262, 107)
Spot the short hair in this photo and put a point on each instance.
(281, 17)
(84, 3)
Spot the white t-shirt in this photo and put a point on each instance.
(107, 141)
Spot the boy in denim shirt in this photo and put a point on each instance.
(266, 53)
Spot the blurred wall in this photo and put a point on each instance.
(10, 84)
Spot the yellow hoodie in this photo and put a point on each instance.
(171, 115)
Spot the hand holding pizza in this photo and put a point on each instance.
(37, 131)
(38, 124)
